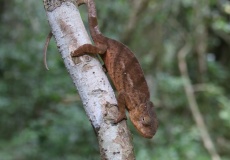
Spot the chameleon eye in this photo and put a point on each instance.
(146, 121)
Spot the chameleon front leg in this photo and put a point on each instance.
(88, 48)
(121, 107)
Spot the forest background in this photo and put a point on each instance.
(41, 114)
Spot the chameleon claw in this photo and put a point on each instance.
(104, 68)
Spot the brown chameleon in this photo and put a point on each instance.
(126, 75)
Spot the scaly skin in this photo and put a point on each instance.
(126, 75)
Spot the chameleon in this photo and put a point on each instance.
(126, 74)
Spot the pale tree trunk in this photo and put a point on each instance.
(91, 82)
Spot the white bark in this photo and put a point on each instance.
(91, 82)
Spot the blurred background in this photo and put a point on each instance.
(183, 47)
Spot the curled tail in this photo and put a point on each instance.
(45, 49)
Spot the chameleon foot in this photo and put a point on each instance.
(120, 118)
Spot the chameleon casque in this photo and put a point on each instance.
(126, 75)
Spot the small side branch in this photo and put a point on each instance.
(209, 145)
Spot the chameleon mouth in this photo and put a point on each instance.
(145, 131)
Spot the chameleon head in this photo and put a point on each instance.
(144, 119)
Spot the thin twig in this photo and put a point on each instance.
(200, 87)
(139, 7)
(209, 145)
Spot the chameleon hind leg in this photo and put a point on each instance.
(88, 48)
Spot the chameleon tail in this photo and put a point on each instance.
(45, 49)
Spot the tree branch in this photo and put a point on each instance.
(209, 145)
(91, 82)
(200, 87)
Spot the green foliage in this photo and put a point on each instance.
(41, 115)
